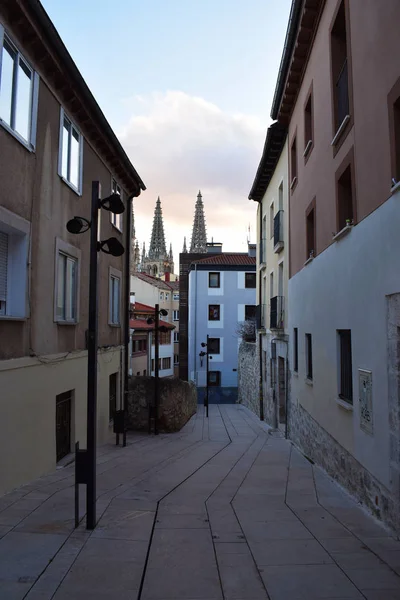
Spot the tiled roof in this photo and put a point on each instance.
(139, 307)
(153, 280)
(143, 325)
(228, 258)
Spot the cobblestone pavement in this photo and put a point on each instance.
(225, 509)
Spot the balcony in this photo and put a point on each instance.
(276, 316)
(278, 232)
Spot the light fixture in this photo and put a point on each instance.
(150, 321)
(113, 247)
(163, 312)
(113, 204)
(78, 225)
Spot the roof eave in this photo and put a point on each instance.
(274, 143)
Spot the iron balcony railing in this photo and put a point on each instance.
(342, 94)
(278, 227)
(276, 316)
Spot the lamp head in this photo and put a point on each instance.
(203, 344)
(78, 225)
(112, 246)
(114, 204)
(163, 312)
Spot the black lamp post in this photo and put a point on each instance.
(207, 355)
(157, 329)
(85, 465)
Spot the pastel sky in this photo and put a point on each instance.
(187, 86)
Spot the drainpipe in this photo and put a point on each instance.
(260, 336)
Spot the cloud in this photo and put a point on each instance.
(180, 144)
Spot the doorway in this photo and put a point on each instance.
(282, 390)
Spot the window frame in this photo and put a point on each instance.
(253, 306)
(253, 275)
(62, 247)
(393, 99)
(216, 339)
(218, 274)
(342, 334)
(217, 382)
(176, 337)
(214, 307)
(296, 349)
(176, 296)
(64, 116)
(29, 144)
(311, 209)
(114, 274)
(308, 124)
(293, 155)
(175, 314)
(116, 220)
(347, 162)
(309, 357)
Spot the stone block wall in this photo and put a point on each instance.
(178, 402)
(249, 376)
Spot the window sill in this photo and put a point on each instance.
(11, 318)
(345, 405)
(342, 232)
(262, 265)
(308, 148)
(70, 185)
(16, 135)
(295, 373)
(310, 259)
(114, 324)
(294, 182)
(395, 187)
(340, 131)
(279, 247)
(309, 381)
(69, 323)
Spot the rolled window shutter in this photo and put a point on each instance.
(3, 266)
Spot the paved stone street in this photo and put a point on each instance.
(221, 510)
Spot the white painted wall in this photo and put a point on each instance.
(345, 287)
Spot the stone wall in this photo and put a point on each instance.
(249, 376)
(178, 402)
(323, 449)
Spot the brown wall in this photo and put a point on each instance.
(32, 188)
(374, 52)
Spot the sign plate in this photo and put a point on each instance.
(365, 399)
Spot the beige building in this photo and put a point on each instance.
(338, 93)
(54, 141)
(270, 190)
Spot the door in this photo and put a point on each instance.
(63, 424)
(282, 390)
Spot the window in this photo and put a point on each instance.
(214, 312)
(116, 220)
(138, 374)
(250, 280)
(308, 125)
(309, 365)
(176, 336)
(340, 81)
(166, 296)
(115, 296)
(250, 312)
(271, 285)
(161, 295)
(271, 221)
(176, 359)
(166, 363)
(295, 349)
(70, 153)
(263, 237)
(271, 373)
(175, 315)
(18, 94)
(145, 373)
(176, 296)
(3, 272)
(345, 210)
(152, 364)
(112, 396)
(346, 368)
(214, 280)
(164, 338)
(214, 345)
(67, 288)
(214, 378)
(293, 163)
(14, 232)
(310, 231)
(280, 196)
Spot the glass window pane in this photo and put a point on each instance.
(23, 101)
(60, 308)
(65, 146)
(6, 83)
(74, 168)
(71, 289)
(116, 300)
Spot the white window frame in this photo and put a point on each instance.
(161, 295)
(29, 144)
(70, 251)
(166, 296)
(176, 337)
(176, 360)
(116, 220)
(176, 296)
(114, 274)
(175, 315)
(18, 258)
(77, 190)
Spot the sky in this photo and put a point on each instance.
(187, 86)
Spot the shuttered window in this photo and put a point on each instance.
(3, 271)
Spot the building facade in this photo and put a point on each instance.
(270, 190)
(54, 141)
(222, 295)
(340, 101)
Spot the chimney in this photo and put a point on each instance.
(167, 277)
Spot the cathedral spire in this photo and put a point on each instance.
(144, 252)
(184, 251)
(157, 250)
(170, 255)
(199, 236)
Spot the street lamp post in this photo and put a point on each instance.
(207, 355)
(85, 465)
(157, 330)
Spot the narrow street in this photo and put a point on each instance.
(221, 510)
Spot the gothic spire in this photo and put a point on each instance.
(199, 235)
(157, 250)
(170, 255)
(184, 246)
(144, 252)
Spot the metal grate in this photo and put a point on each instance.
(346, 367)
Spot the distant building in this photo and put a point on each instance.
(222, 294)
(157, 261)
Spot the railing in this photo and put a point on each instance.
(278, 227)
(276, 316)
(342, 94)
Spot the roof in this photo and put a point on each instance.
(228, 258)
(303, 23)
(143, 325)
(274, 142)
(46, 46)
(139, 307)
(153, 281)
